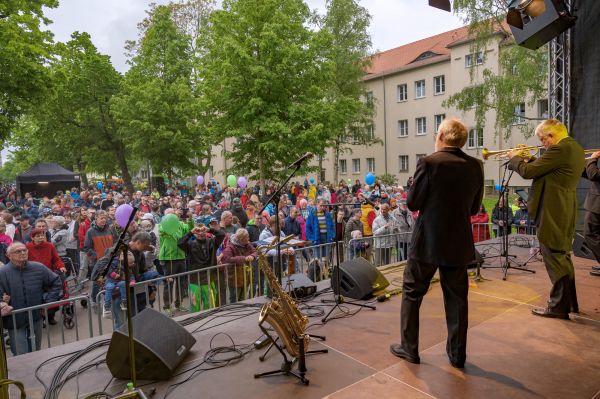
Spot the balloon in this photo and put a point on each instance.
(498, 186)
(370, 179)
(122, 214)
(170, 224)
(349, 180)
(231, 181)
(312, 180)
(99, 185)
(200, 180)
(242, 182)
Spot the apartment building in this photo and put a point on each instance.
(408, 85)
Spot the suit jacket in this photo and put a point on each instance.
(447, 189)
(553, 200)
(592, 199)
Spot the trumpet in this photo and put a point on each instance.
(524, 151)
(590, 152)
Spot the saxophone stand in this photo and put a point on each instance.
(338, 299)
(506, 263)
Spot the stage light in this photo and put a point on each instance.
(441, 4)
(535, 22)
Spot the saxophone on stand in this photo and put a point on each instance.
(289, 323)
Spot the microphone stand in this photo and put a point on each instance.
(122, 246)
(338, 299)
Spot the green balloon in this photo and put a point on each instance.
(170, 224)
(231, 181)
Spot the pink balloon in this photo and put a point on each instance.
(200, 180)
(242, 182)
(122, 214)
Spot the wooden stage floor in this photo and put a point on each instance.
(511, 353)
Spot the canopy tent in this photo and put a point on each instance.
(46, 179)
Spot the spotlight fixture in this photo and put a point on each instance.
(535, 22)
(441, 4)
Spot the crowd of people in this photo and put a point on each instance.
(74, 233)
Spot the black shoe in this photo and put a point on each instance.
(596, 268)
(595, 273)
(548, 313)
(457, 365)
(51, 322)
(397, 350)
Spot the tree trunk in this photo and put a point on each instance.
(320, 169)
(82, 175)
(122, 161)
(336, 162)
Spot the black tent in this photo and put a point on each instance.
(46, 179)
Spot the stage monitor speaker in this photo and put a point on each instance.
(160, 345)
(581, 249)
(358, 279)
(534, 32)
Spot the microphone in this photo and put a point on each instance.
(384, 297)
(299, 161)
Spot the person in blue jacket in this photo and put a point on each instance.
(321, 230)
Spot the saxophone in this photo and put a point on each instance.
(282, 313)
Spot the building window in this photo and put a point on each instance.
(369, 132)
(402, 92)
(343, 167)
(419, 156)
(371, 165)
(420, 89)
(439, 84)
(437, 121)
(356, 165)
(473, 59)
(543, 109)
(518, 117)
(369, 98)
(403, 163)
(403, 128)
(421, 127)
(475, 139)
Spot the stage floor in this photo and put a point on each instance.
(511, 353)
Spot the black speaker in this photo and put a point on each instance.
(358, 279)
(535, 32)
(581, 249)
(302, 286)
(160, 345)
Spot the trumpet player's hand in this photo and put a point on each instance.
(512, 154)
(596, 155)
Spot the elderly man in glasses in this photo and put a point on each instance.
(24, 284)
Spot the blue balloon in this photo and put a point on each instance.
(312, 180)
(370, 179)
(99, 185)
(498, 186)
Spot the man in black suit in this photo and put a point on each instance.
(591, 227)
(447, 190)
(553, 207)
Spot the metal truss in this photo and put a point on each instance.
(559, 75)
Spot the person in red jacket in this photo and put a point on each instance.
(40, 250)
(85, 221)
(479, 225)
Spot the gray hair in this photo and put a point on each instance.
(14, 244)
(241, 232)
(141, 236)
(225, 214)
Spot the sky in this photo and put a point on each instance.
(112, 22)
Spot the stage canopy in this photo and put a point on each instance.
(46, 179)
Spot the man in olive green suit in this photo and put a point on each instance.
(553, 207)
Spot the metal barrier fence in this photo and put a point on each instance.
(486, 231)
(380, 249)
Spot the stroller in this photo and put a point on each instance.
(67, 308)
(75, 285)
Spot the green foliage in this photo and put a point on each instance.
(522, 76)
(388, 179)
(25, 48)
(263, 83)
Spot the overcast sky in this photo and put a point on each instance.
(111, 22)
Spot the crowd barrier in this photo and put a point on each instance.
(207, 288)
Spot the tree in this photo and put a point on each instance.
(74, 125)
(263, 83)
(522, 73)
(349, 107)
(156, 110)
(25, 48)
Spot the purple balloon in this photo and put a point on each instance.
(122, 214)
(242, 182)
(200, 180)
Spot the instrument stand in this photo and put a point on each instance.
(288, 363)
(508, 258)
(338, 299)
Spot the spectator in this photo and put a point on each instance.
(239, 212)
(59, 234)
(384, 226)
(353, 224)
(24, 229)
(479, 224)
(24, 284)
(522, 220)
(4, 238)
(227, 223)
(502, 217)
(239, 252)
(320, 229)
(405, 225)
(115, 279)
